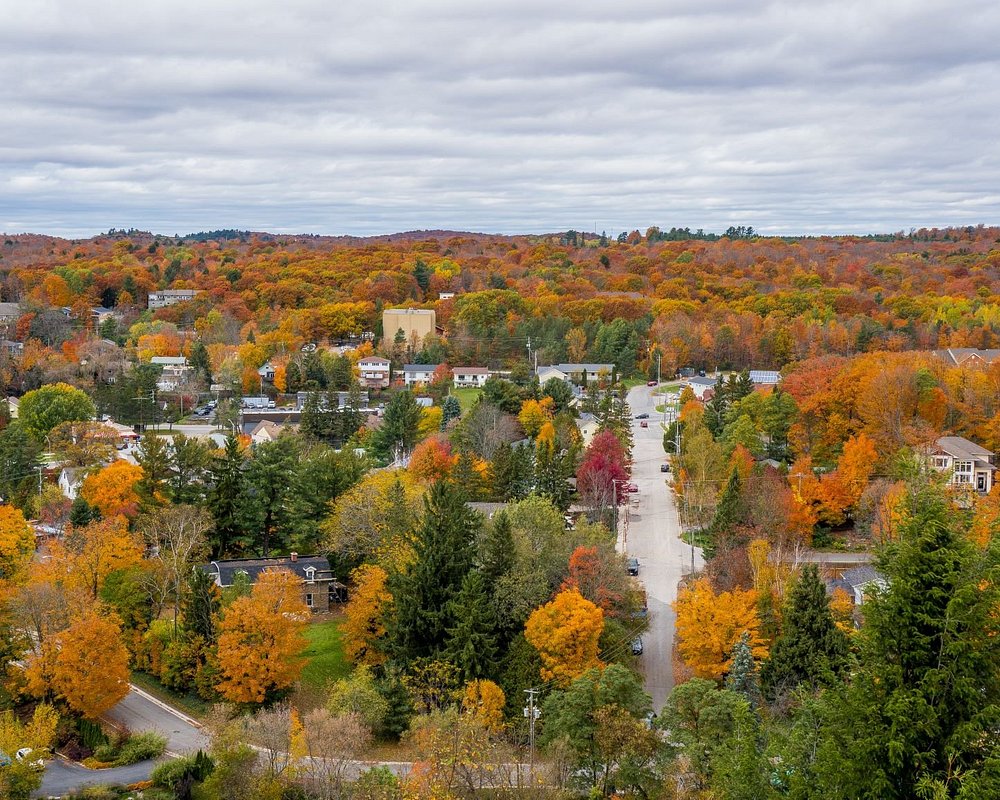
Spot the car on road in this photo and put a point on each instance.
(652, 383)
(270, 404)
(643, 415)
(637, 646)
(632, 487)
(644, 424)
(632, 565)
(664, 468)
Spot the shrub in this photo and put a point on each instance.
(129, 749)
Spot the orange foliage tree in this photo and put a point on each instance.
(88, 554)
(485, 701)
(85, 665)
(17, 544)
(364, 623)
(113, 489)
(432, 460)
(261, 639)
(566, 632)
(709, 625)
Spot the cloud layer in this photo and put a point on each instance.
(513, 116)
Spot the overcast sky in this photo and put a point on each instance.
(370, 117)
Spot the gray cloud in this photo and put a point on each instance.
(513, 116)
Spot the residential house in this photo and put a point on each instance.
(968, 464)
(588, 425)
(99, 314)
(446, 295)
(11, 348)
(174, 372)
(545, 373)
(591, 372)
(415, 323)
(967, 356)
(9, 313)
(70, 481)
(374, 372)
(13, 403)
(470, 377)
(320, 589)
(266, 431)
(414, 374)
(169, 297)
(267, 371)
(859, 582)
(703, 388)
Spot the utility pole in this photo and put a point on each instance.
(39, 480)
(658, 355)
(531, 712)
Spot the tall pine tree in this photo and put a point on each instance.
(423, 591)
(472, 639)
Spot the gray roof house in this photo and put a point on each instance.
(858, 581)
(320, 589)
(970, 465)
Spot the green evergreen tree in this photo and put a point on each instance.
(398, 431)
(293, 377)
(716, 408)
(921, 714)
(200, 362)
(471, 644)
(19, 460)
(450, 409)
(731, 510)
(200, 605)
(399, 705)
(81, 513)
(422, 593)
(465, 475)
(742, 676)
(552, 472)
(422, 275)
(154, 458)
(341, 374)
(811, 649)
(190, 461)
(269, 479)
(497, 555)
(226, 499)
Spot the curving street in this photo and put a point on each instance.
(652, 534)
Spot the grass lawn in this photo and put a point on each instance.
(467, 397)
(326, 655)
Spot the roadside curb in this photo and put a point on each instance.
(166, 707)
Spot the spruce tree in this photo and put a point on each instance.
(497, 556)
(450, 409)
(730, 511)
(742, 675)
(811, 649)
(226, 499)
(443, 554)
(471, 645)
(921, 715)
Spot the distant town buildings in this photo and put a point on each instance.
(168, 297)
(415, 323)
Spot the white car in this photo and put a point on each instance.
(25, 754)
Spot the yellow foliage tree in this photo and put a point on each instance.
(85, 665)
(534, 414)
(430, 421)
(842, 609)
(261, 639)
(485, 700)
(566, 632)
(364, 623)
(709, 625)
(88, 554)
(37, 734)
(17, 544)
(113, 489)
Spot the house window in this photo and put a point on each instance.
(941, 462)
(309, 599)
(310, 574)
(963, 466)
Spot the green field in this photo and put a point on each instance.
(467, 397)
(326, 655)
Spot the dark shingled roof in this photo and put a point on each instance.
(253, 567)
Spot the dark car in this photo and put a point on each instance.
(637, 646)
(643, 415)
(632, 566)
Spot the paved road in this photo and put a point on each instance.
(653, 536)
(140, 713)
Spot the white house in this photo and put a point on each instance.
(13, 404)
(168, 297)
(414, 374)
(701, 386)
(588, 425)
(9, 312)
(446, 296)
(765, 377)
(470, 377)
(265, 431)
(545, 373)
(968, 464)
(70, 481)
(267, 371)
(861, 581)
(374, 372)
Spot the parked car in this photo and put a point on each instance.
(637, 646)
(632, 566)
(27, 755)
(643, 415)
(632, 487)
(271, 404)
(664, 468)
(644, 424)
(651, 383)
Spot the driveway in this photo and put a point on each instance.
(140, 712)
(652, 534)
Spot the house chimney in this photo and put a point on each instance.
(293, 556)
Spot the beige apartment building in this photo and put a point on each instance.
(412, 321)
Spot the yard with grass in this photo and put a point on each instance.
(467, 397)
(326, 655)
